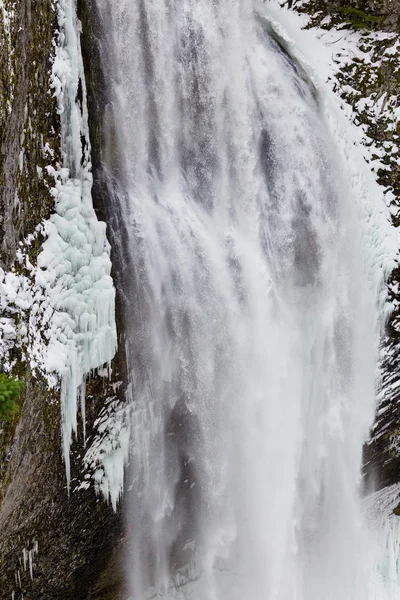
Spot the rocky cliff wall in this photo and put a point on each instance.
(53, 544)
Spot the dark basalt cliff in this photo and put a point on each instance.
(28, 120)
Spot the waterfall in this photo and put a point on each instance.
(250, 321)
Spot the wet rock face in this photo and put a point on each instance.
(29, 125)
(53, 545)
(70, 537)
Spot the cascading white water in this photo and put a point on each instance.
(252, 329)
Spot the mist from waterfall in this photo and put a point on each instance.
(251, 326)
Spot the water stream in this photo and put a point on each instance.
(251, 326)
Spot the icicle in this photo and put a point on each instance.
(74, 266)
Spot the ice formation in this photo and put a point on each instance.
(68, 301)
(108, 452)
(74, 266)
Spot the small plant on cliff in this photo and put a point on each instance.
(358, 19)
(10, 389)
